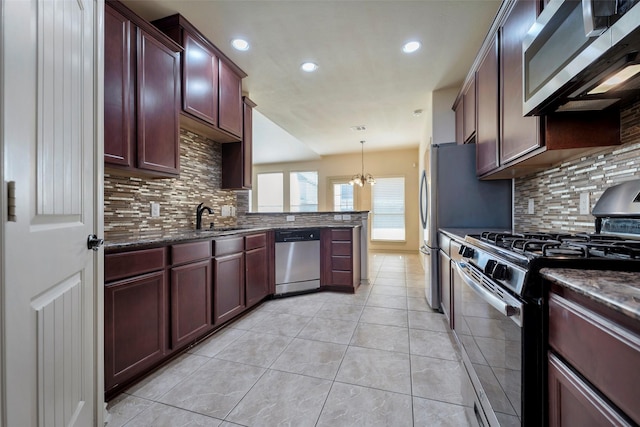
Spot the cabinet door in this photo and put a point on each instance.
(190, 302)
(519, 134)
(469, 111)
(487, 111)
(445, 287)
(228, 285)
(247, 142)
(119, 126)
(158, 78)
(135, 326)
(237, 157)
(199, 80)
(256, 280)
(459, 112)
(230, 100)
(572, 402)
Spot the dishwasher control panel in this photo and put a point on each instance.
(297, 235)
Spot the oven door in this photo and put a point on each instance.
(488, 326)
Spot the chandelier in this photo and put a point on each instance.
(361, 178)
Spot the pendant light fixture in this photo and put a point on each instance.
(361, 178)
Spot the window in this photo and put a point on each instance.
(303, 191)
(270, 192)
(342, 197)
(387, 206)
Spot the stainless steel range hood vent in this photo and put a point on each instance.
(564, 64)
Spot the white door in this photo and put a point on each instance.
(51, 126)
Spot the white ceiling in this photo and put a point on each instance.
(363, 79)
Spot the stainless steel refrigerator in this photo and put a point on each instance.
(451, 196)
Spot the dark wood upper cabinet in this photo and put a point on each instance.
(230, 99)
(469, 111)
(465, 112)
(199, 80)
(508, 144)
(119, 126)
(158, 95)
(237, 157)
(458, 108)
(487, 110)
(519, 135)
(142, 93)
(211, 83)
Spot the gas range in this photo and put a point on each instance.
(499, 305)
(511, 258)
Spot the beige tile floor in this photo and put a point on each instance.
(379, 357)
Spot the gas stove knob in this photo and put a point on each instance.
(500, 272)
(466, 251)
(489, 267)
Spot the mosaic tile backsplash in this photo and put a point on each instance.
(127, 199)
(556, 191)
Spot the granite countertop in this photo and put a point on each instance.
(154, 238)
(618, 290)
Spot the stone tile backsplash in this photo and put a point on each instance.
(127, 199)
(556, 192)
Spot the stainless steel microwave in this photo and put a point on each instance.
(581, 55)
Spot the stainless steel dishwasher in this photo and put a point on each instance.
(297, 260)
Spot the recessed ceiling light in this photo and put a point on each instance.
(309, 67)
(240, 44)
(410, 47)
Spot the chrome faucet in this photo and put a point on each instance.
(199, 210)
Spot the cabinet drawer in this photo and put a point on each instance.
(341, 248)
(255, 241)
(228, 246)
(344, 278)
(342, 263)
(126, 264)
(341, 234)
(187, 252)
(606, 354)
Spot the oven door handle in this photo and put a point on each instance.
(509, 310)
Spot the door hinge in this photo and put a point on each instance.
(11, 201)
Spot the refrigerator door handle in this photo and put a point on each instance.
(424, 200)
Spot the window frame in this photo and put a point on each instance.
(404, 212)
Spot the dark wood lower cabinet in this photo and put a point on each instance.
(572, 402)
(256, 280)
(135, 326)
(593, 363)
(228, 287)
(190, 302)
(340, 263)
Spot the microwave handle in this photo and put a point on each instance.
(509, 310)
(595, 15)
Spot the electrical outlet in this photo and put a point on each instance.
(226, 211)
(291, 218)
(346, 217)
(584, 203)
(233, 210)
(337, 217)
(530, 207)
(155, 210)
